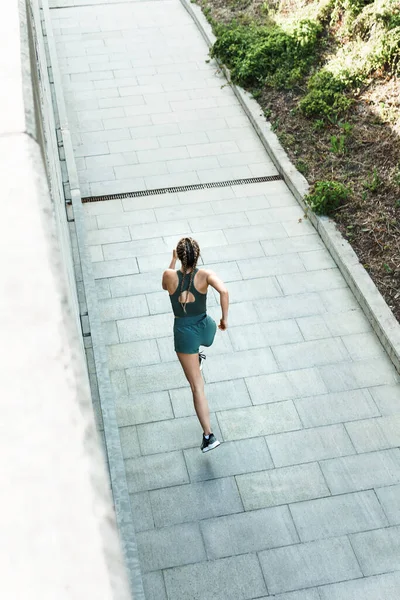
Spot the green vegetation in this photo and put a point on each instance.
(335, 48)
(267, 54)
(327, 196)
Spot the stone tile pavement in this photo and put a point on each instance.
(302, 500)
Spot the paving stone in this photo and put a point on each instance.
(134, 249)
(123, 308)
(317, 259)
(259, 420)
(174, 434)
(120, 219)
(123, 356)
(387, 399)
(227, 271)
(377, 551)
(204, 238)
(102, 289)
(338, 377)
(347, 322)
(272, 265)
(156, 471)
(220, 396)
(337, 515)
(284, 246)
(239, 364)
(108, 236)
(110, 333)
(132, 285)
(313, 328)
(207, 223)
(264, 287)
(114, 268)
(362, 471)
(213, 194)
(270, 388)
(240, 312)
(389, 497)
(142, 408)
(310, 594)
(101, 208)
(165, 376)
(170, 547)
(218, 497)
(307, 382)
(248, 532)
(289, 307)
(281, 486)
(129, 442)
(154, 587)
(310, 354)
(145, 327)
(148, 230)
(276, 215)
(254, 233)
(222, 254)
(375, 434)
(377, 371)
(141, 511)
(171, 213)
(314, 281)
(246, 203)
(381, 587)
(309, 445)
(264, 334)
(299, 227)
(336, 408)
(238, 577)
(234, 458)
(308, 565)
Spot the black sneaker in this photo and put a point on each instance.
(202, 358)
(209, 444)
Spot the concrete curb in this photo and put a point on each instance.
(370, 299)
(107, 402)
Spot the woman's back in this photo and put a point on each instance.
(187, 300)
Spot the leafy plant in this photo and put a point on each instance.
(374, 183)
(325, 97)
(302, 167)
(267, 54)
(327, 197)
(338, 144)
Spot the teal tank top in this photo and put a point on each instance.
(193, 309)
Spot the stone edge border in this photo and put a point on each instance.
(370, 299)
(111, 433)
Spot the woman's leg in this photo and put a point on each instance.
(190, 365)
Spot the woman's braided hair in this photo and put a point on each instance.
(188, 252)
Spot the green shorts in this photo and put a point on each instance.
(192, 332)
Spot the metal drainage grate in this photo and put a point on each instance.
(183, 188)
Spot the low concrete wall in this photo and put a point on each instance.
(57, 519)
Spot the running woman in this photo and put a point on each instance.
(187, 288)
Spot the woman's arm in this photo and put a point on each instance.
(219, 285)
(171, 266)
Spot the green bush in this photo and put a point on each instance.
(325, 97)
(387, 52)
(266, 54)
(327, 197)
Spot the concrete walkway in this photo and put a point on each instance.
(302, 501)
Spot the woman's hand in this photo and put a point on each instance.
(173, 260)
(223, 325)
